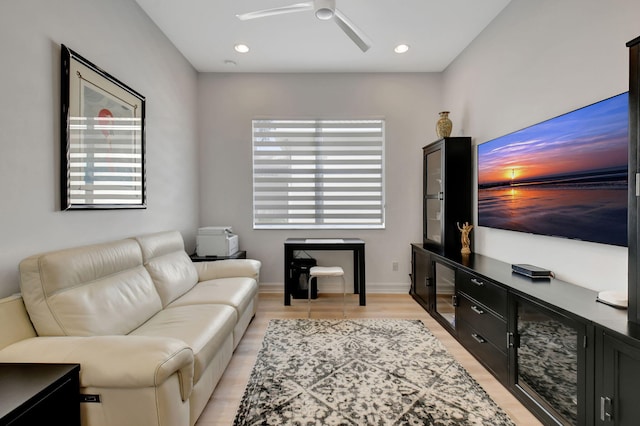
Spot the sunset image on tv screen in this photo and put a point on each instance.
(564, 177)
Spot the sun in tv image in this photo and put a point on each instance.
(564, 177)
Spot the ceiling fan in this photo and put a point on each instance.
(324, 10)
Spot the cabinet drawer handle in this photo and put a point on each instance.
(477, 310)
(478, 338)
(477, 282)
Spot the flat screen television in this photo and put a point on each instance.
(565, 177)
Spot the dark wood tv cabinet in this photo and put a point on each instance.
(39, 394)
(566, 357)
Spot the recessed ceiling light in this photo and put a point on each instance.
(241, 48)
(401, 48)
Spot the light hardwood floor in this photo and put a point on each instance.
(221, 409)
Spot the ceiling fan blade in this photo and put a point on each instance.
(298, 7)
(352, 31)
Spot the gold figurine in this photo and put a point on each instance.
(466, 242)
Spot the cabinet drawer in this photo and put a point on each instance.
(490, 356)
(489, 325)
(484, 291)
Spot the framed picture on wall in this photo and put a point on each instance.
(102, 137)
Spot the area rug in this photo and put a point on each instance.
(361, 372)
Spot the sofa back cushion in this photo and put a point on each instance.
(171, 269)
(100, 289)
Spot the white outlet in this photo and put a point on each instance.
(394, 265)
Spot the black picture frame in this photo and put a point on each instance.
(102, 122)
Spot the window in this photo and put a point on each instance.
(318, 174)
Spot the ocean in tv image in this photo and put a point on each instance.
(564, 177)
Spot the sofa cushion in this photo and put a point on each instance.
(229, 268)
(204, 328)
(170, 267)
(92, 290)
(236, 292)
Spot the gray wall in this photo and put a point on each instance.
(537, 60)
(409, 103)
(117, 36)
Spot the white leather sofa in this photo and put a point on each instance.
(152, 331)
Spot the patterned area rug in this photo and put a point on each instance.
(361, 372)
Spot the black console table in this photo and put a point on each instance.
(353, 244)
(39, 394)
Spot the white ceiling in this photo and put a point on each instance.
(205, 31)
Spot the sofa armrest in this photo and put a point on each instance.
(229, 268)
(15, 321)
(111, 361)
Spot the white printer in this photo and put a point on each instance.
(216, 241)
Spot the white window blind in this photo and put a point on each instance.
(318, 174)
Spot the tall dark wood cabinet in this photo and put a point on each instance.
(618, 345)
(634, 173)
(447, 192)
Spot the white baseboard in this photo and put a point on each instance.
(332, 287)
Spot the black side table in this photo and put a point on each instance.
(242, 254)
(40, 394)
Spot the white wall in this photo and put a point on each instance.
(536, 60)
(409, 103)
(117, 36)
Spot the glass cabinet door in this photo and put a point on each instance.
(445, 289)
(549, 361)
(433, 197)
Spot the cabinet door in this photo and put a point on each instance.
(422, 278)
(617, 401)
(433, 197)
(549, 359)
(444, 279)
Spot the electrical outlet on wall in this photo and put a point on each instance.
(394, 265)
